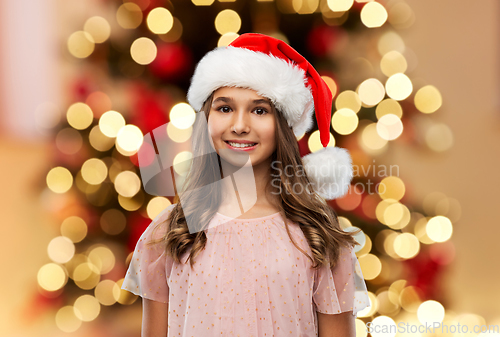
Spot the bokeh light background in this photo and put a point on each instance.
(454, 49)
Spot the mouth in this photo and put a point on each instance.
(241, 146)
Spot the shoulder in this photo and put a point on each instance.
(164, 214)
(159, 226)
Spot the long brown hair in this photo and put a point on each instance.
(318, 221)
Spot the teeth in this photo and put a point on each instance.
(241, 145)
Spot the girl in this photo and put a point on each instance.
(266, 254)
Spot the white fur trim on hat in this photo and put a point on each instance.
(282, 82)
(330, 171)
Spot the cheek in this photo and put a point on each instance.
(212, 127)
(269, 135)
(215, 129)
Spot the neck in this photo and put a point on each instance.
(244, 187)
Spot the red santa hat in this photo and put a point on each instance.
(277, 71)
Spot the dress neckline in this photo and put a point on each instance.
(253, 219)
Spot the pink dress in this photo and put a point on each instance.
(250, 280)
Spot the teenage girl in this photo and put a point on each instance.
(266, 254)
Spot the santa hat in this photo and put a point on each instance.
(275, 70)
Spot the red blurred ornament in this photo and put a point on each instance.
(93, 220)
(369, 206)
(148, 5)
(322, 39)
(424, 273)
(149, 108)
(366, 204)
(358, 6)
(303, 147)
(138, 225)
(40, 304)
(81, 88)
(99, 102)
(143, 4)
(351, 201)
(173, 61)
(442, 253)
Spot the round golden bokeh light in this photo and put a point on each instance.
(52, 277)
(373, 14)
(428, 99)
(100, 141)
(314, 142)
(202, 2)
(94, 171)
(430, 311)
(127, 184)
(340, 5)
(182, 116)
(156, 206)
(390, 41)
(67, 320)
(143, 51)
(305, 6)
(61, 249)
(111, 122)
(103, 258)
(439, 137)
(226, 39)
(370, 140)
(79, 116)
(370, 266)
(391, 187)
(399, 87)
(371, 91)
(87, 308)
(129, 138)
(81, 44)
(86, 275)
(129, 15)
(344, 121)
(392, 63)
(389, 106)
(227, 21)
(107, 292)
(389, 127)
(439, 228)
(98, 27)
(160, 20)
(348, 99)
(74, 228)
(59, 179)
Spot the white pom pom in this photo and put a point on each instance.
(330, 171)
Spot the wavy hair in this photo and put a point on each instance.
(317, 220)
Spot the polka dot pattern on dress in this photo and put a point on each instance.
(250, 280)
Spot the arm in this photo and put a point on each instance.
(154, 318)
(338, 325)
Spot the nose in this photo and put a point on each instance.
(240, 122)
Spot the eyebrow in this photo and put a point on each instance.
(229, 99)
(260, 101)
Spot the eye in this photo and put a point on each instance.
(261, 111)
(224, 109)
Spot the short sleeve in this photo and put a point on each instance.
(341, 288)
(148, 269)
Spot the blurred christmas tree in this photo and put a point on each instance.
(132, 72)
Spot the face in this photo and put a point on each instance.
(239, 118)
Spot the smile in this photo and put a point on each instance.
(241, 146)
